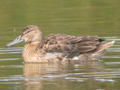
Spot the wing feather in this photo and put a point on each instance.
(70, 44)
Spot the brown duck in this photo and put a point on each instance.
(59, 47)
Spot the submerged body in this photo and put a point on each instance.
(58, 47)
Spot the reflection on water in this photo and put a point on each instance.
(37, 76)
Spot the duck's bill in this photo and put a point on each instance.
(16, 41)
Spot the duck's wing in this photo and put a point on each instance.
(70, 44)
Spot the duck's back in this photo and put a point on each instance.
(70, 45)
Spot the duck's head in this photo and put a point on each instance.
(30, 33)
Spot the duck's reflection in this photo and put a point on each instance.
(39, 69)
(33, 73)
(37, 73)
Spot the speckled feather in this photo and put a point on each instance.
(68, 43)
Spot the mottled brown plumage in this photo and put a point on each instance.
(59, 47)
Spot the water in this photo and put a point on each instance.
(98, 18)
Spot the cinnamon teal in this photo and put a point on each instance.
(59, 47)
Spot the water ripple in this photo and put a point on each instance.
(12, 66)
(111, 57)
(113, 49)
(11, 50)
(105, 80)
(112, 63)
(6, 59)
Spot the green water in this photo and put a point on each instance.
(74, 17)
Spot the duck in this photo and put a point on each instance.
(59, 47)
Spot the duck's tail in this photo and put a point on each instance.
(94, 55)
(101, 50)
(104, 46)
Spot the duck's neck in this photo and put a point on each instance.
(31, 47)
(29, 50)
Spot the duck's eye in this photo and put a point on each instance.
(28, 31)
